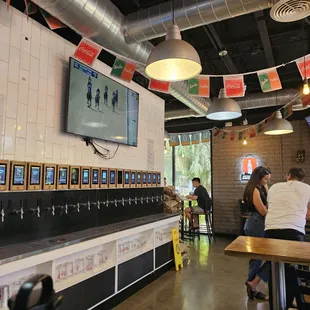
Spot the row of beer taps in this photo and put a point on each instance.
(79, 205)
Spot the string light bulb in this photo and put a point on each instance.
(245, 141)
(306, 89)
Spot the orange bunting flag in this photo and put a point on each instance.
(252, 133)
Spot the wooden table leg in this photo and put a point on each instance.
(278, 286)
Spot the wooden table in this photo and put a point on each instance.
(276, 251)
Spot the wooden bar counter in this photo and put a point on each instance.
(276, 251)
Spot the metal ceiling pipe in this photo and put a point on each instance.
(259, 100)
(102, 22)
(153, 22)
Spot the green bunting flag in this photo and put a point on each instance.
(123, 70)
(199, 86)
(240, 135)
(260, 127)
(224, 135)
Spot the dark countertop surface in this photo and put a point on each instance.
(23, 250)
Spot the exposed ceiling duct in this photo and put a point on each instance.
(153, 22)
(256, 101)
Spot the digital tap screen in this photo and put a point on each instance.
(149, 178)
(126, 177)
(133, 178)
(154, 178)
(158, 179)
(112, 177)
(120, 177)
(139, 178)
(144, 178)
(85, 176)
(75, 176)
(104, 177)
(2, 174)
(63, 176)
(49, 175)
(35, 175)
(95, 176)
(19, 175)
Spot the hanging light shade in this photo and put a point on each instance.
(278, 126)
(174, 59)
(223, 108)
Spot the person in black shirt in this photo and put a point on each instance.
(203, 199)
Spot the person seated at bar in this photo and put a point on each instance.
(172, 201)
(203, 200)
(288, 210)
(255, 196)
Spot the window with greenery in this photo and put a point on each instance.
(192, 161)
(168, 163)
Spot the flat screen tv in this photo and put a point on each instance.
(101, 108)
(308, 120)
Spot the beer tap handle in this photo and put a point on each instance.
(38, 208)
(123, 201)
(2, 212)
(21, 210)
(115, 202)
(98, 204)
(88, 205)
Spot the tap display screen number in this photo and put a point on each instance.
(144, 178)
(2, 174)
(18, 175)
(63, 176)
(35, 175)
(95, 176)
(154, 178)
(158, 179)
(139, 178)
(112, 177)
(149, 178)
(133, 178)
(75, 176)
(104, 177)
(49, 175)
(85, 174)
(126, 177)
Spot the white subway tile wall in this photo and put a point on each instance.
(33, 82)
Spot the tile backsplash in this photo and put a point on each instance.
(34, 65)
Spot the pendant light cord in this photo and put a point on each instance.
(304, 32)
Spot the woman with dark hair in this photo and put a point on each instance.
(255, 196)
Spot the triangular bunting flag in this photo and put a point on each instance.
(123, 70)
(87, 52)
(234, 85)
(52, 21)
(269, 80)
(232, 136)
(216, 133)
(185, 139)
(252, 133)
(288, 111)
(199, 86)
(159, 86)
(260, 127)
(224, 135)
(304, 70)
(196, 138)
(32, 8)
(240, 135)
(174, 140)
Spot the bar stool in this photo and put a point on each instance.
(208, 217)
(195, 232)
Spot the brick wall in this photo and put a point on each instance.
(33, 81)
(278, 153)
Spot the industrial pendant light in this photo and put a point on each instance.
(278, 126)
(223, 108)
(174, 59)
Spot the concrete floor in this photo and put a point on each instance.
(211, 281)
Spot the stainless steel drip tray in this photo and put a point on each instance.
(23, 250)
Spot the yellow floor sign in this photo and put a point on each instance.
(176, 249)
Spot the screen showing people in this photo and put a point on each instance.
(75, 172)
(101, 108)
(19, 175)
(112, 177)
(95, 176)
(49, 175)
(35, 172)
(104, 177)
(3, 172)
(63, 176)
(85, 176)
